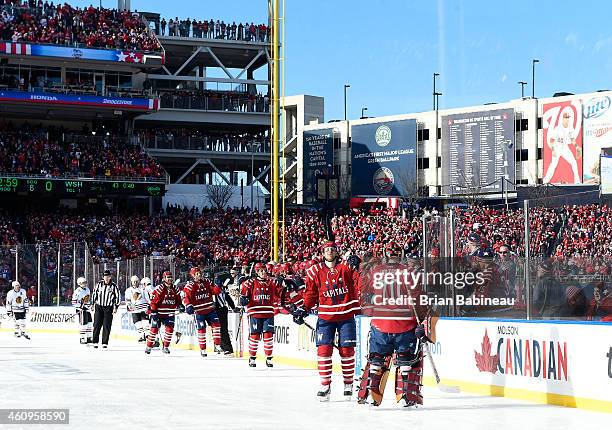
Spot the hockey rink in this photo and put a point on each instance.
(123, 388)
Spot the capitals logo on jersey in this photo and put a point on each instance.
(335, 290)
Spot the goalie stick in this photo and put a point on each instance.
(442, 387)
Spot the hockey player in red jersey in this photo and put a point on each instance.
(391, 298)
(260, 297)
(333, 286)
(292, 289)
(165, 300)
(199, 301)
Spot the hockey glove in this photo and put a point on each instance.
(181, 308)
(299, 315)
(154, 319)
(189, 309)
(354, 261)
(244, 300)
(419, 331)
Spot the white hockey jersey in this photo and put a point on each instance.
(17, 301)
(148, 292)
(81, 298)
(136, 299)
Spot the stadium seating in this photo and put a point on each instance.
(66, 25)
(37, 152)
(215, 30)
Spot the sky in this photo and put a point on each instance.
(388, 50)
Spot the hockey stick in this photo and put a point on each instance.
(178, 334)
(292, 313)
(442, 387)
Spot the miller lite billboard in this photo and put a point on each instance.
(597, 134)
(384, 158)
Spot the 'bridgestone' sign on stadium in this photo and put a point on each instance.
(318, 152)
(384, 159)
(475, 146)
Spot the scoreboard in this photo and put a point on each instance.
(66, 187)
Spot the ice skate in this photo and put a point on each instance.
(324, 393)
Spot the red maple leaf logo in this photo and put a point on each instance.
(485, 361)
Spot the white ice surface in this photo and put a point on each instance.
(122, 388)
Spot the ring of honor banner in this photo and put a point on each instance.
(318, 152)
(474, 148)
(597, 134)
(562, 134)
(606, 171)
(384, 158)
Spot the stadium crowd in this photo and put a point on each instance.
(34, 151)
(189, 138)
(61, 24)
(231, 101)
(568, 280)
(215, 29)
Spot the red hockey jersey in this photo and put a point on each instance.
(389, 292)
(165, 300)
(263, 297)
(200, 295)
(335, 291)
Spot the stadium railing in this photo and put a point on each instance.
(219, 102)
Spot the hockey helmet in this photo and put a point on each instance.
(328, 244)
(296, 267)
(16, 285)
(146, 282)
(393, 249)
(259, 266)
(81, 281)
(194, 270)
(287, 268)
(134, 279)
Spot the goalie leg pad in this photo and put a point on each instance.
(374, 378)
(408, 378)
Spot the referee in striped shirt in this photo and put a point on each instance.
(106, 299)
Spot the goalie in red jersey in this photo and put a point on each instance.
(391, 296)
(333, 287)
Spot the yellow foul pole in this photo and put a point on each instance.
(275, 131)
(283, 136)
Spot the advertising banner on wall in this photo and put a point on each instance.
(318, 156)
(562, 142)
(384, 159)
(77, 53)
(478, 152)
(120, 103)
(597, 134)
(606, 171)
(548, 362)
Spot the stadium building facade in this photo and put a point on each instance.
(495, 150)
